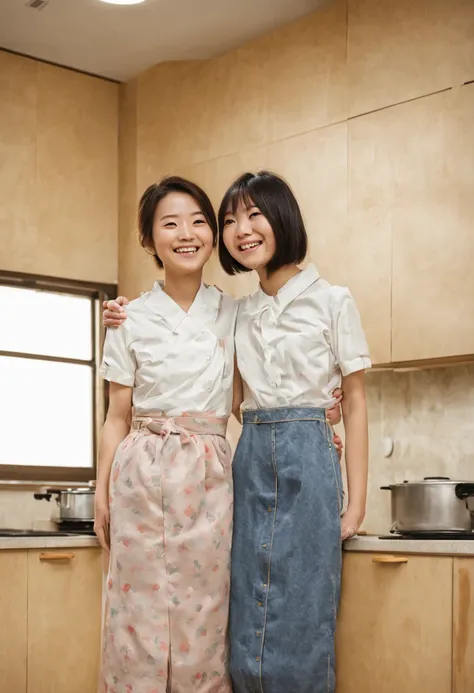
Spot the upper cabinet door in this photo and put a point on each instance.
(367, 246)
(64, 620)
(399, 50)
(77, 175)
(18, 155)
(430, 146)
(13, 621)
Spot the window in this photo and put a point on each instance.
(51, 399)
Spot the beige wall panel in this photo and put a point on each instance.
(430, 150)
(401, 49)
(215, 177)
(164, 120)
(194, 112)
(137, 272)
(368, 244)
(315, 165)
(77, 175)
(463, 632)
(306, 77)
(18, 118)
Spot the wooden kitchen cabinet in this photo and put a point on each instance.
(395, 624)
(58, 171)
(13, 621)
(433, 240)
(410, 209)
(463, 625)
(64, 620)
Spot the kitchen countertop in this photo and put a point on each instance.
(370, 544)
(76, 542)
(449, 547)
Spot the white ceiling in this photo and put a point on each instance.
(120, 41)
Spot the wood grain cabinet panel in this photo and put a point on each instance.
(399, 50)
(64, 620)
(430, 149)
(463, 625)
(13, 621)
(394, 627)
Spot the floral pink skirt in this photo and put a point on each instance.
(171, 502)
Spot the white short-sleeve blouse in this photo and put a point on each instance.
(176, 362)
(294, 348)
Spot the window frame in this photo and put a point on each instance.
(97, 292)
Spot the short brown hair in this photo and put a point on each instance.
(157, 192)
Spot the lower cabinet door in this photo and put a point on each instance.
(394, 630)
(64, 620)
(13, 621)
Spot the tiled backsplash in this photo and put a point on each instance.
(429, 415)
(19, 510)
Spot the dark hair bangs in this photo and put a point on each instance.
(276, 201)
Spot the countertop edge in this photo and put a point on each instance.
(446, 547)
(18, 543)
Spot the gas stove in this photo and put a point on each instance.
(65, 529)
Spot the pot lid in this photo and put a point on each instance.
(429, 480)
(81, 490)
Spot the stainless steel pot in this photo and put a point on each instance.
(436, 504)
(75, 504)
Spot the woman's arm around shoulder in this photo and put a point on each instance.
(354, 412)
(115, 429)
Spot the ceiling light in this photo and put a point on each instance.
(123, 2)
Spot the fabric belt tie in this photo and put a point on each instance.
(186, 425)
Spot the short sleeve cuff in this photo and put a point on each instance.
(361, 363)
(115, 375)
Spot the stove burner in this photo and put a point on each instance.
(71, 527)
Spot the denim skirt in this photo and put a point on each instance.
(286, 553)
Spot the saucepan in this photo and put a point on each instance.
(434, 504)
(75, 504)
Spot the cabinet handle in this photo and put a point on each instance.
(56, 556)
(390, 559)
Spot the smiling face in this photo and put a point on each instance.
(182, 237)
(248, 236)
(260, 224)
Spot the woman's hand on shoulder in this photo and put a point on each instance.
(113, 314)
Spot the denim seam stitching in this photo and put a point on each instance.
(269, 558)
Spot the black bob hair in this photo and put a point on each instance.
(276, 201)
(157, 192)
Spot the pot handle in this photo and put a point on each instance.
(436, 478)
(385, 488)
(42, 496)
(464, 490)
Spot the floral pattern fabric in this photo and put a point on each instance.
(171, 503)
